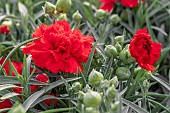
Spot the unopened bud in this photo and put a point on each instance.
(118, 47)
(111, 92)
(95, 78)
(115, 19)
(81, 95)
(122, 73)
(125, 55)
(91, 110)
(146, 85)
(104, 84)
(63, 6)
(100, 14)
(76, 86)
(62, 16)
(110, 51)
(92, 99)
(114, 81)
(77, 16)
(49, 8)
(120, 39)
(114, 107)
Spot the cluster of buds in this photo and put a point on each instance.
(101, 14)
(99, 90)
(59, 10)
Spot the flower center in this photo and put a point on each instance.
(147, 47)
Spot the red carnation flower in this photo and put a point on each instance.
(58, 48)
(144, 50)
(42, 78)
(19, 66)
(129, 3)
(49, 101)
(4, 30)
(107, 4)
(5, 104)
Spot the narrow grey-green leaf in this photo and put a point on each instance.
(57, 110)
(134, 106)
(9, 95)
(28, 103)
(13, 50)
(162, 82)
(7, 86)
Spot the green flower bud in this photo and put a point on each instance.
(77, 16)
(62, 16)
(100, 14)
(146, 85)
(87, 88)
(122, 73)
(114, 81)
(49, 8)
(63, 6)
(115, 19)
(95, 78)
(92, 99)
(120, 39)
(81, 95)
(111, 92)
(104, 84)
(91, 110)
(125, 55)
(76, 86)
(114, 107)
(136, 71)
(118, 47)
(110, 51)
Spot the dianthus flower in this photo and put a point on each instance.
(18, 66)
(107, 4)
(5, 104)
(58, 48)
(144, 50)
(129, 3)
(4, 30)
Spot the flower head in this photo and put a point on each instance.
(129, 3)
(50, 101)
(107, 4)
(4, 30)
(144, 50)
(18, 66)
(58, 48)
(5, 104)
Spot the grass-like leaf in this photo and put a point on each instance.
(162, 82)
(134, 106)
(57, 110)
(28, 103)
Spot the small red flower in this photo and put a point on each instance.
(4, 30)
(19, 65)
(5, 104)
(49, 101)
(129, 3)
(107, 4)
(58, 48)
(42, 78)
(144, 50)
